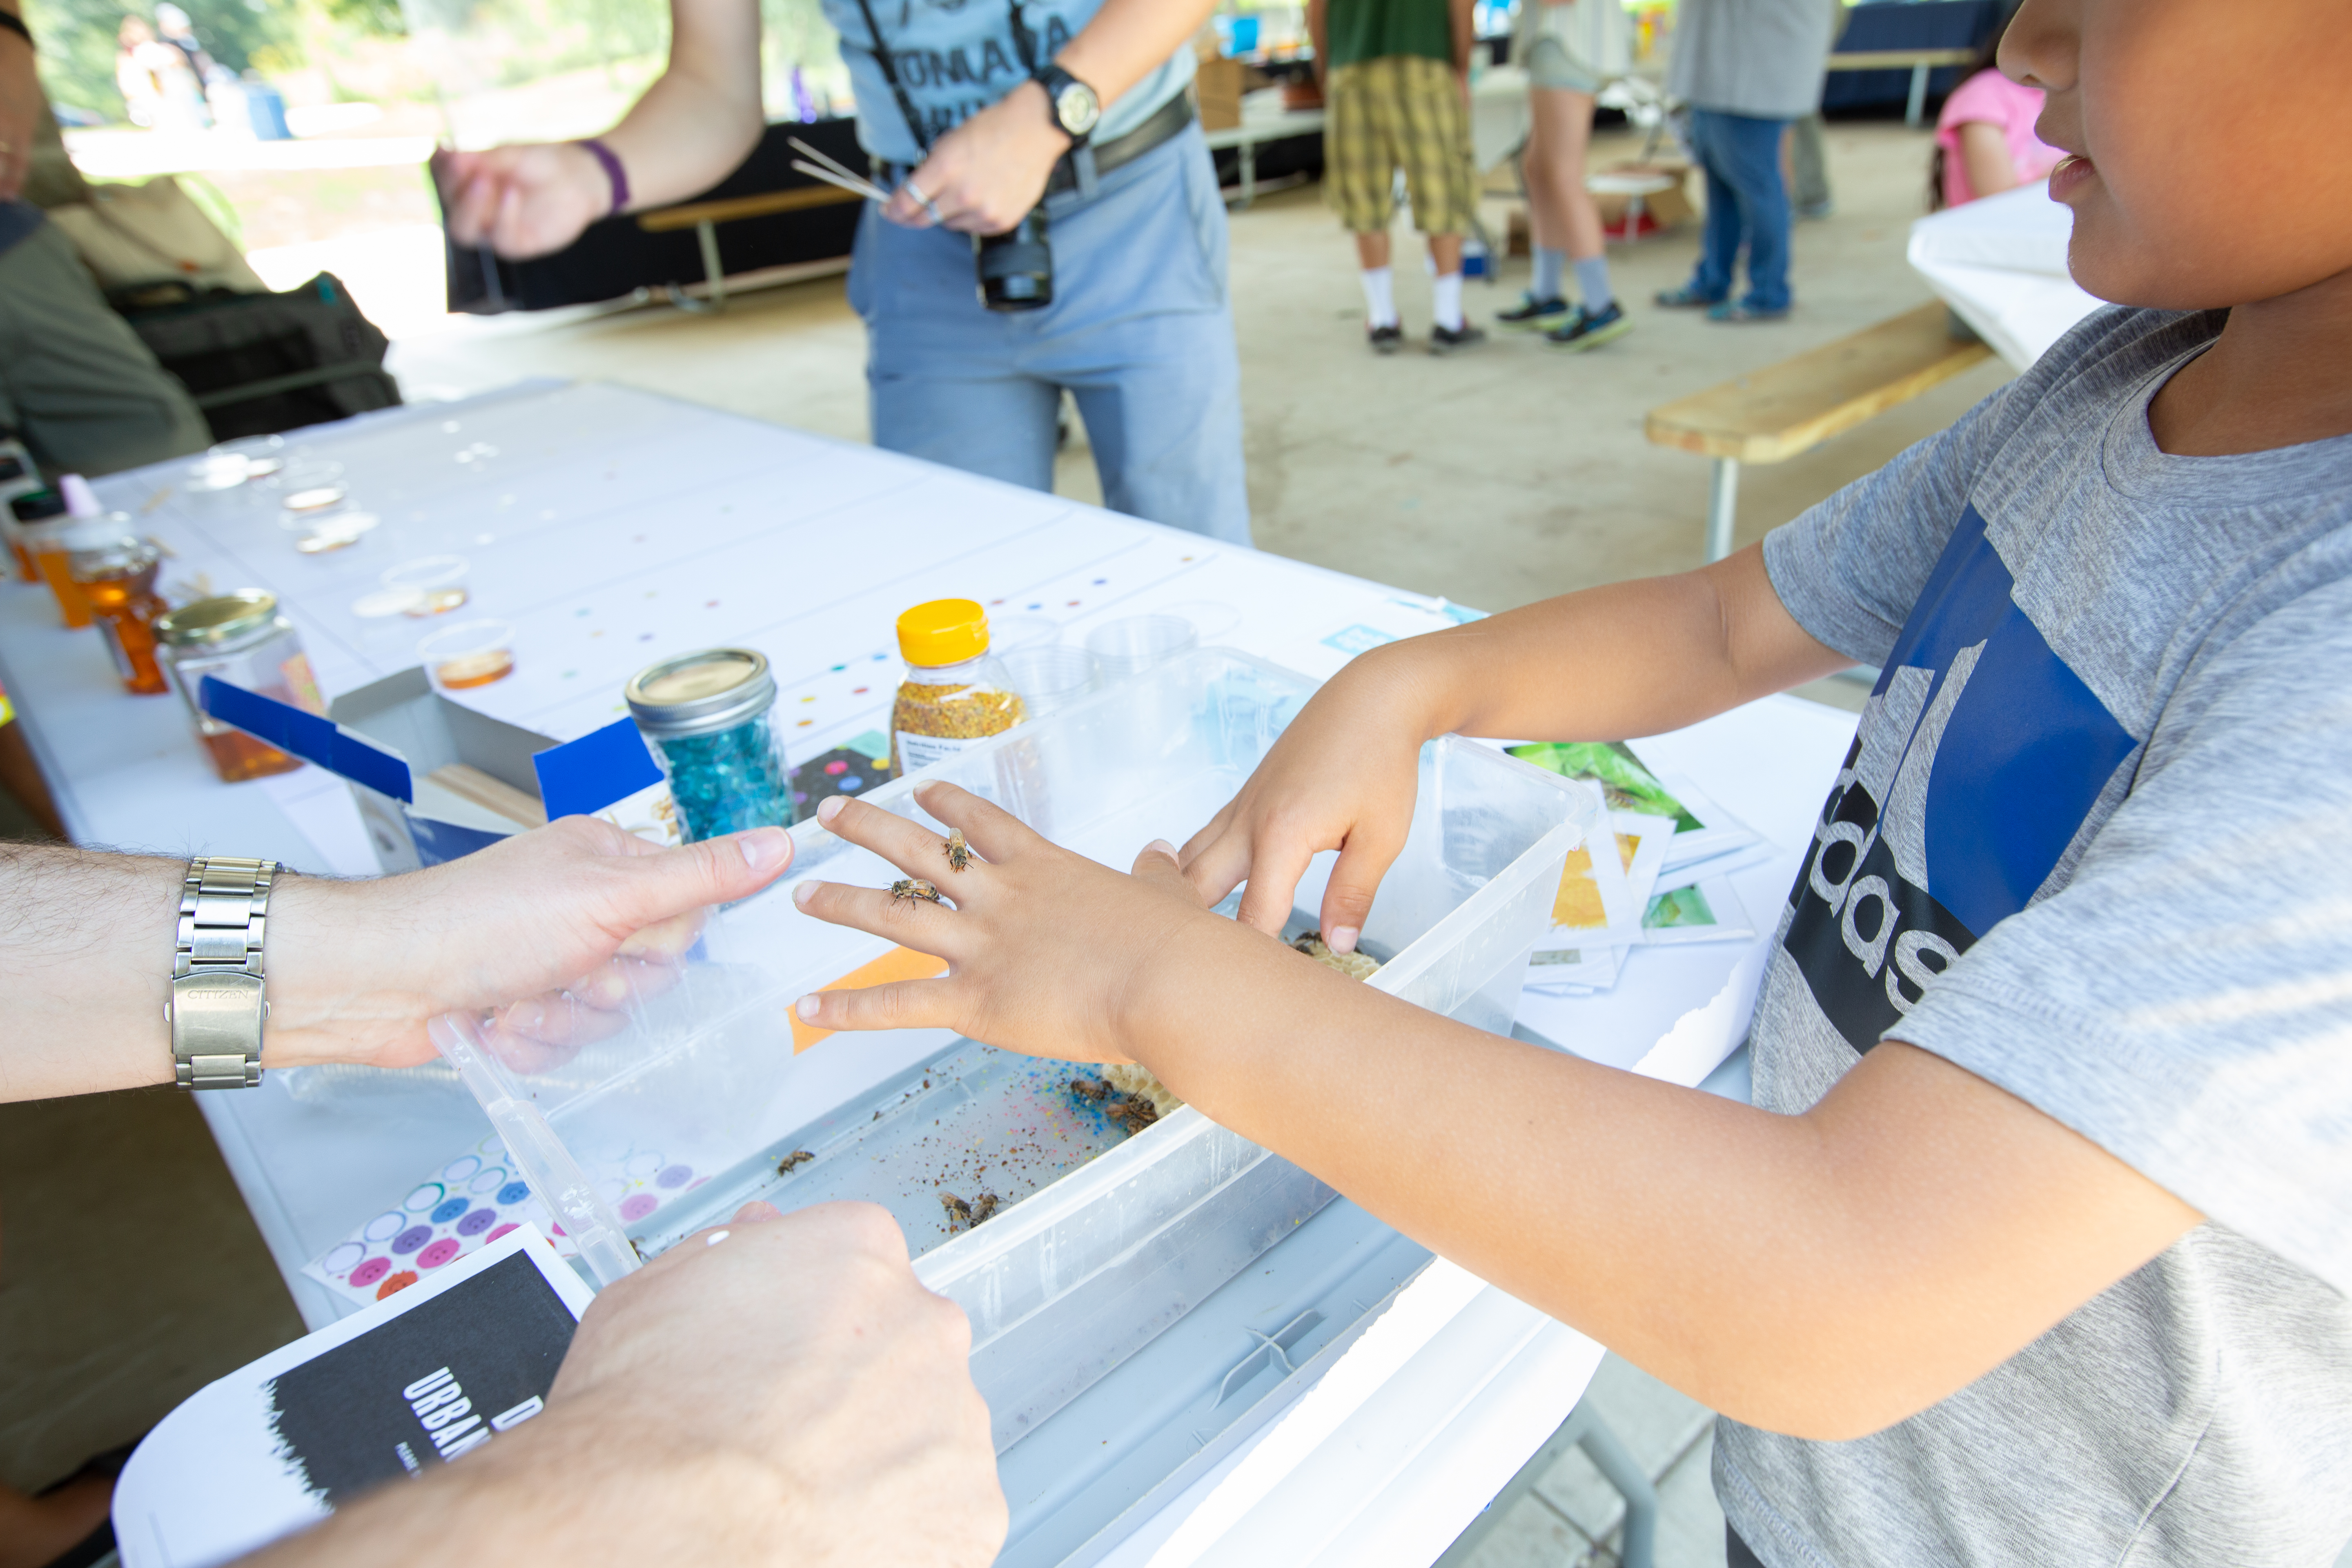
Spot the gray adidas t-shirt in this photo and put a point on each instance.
(2094, 844)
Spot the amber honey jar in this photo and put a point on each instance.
(118, 582)
(242, 639)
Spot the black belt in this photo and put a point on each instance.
(1169, 118)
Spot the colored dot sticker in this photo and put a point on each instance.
(480, 1220)
(460, 1169)
(344, 1258)
(836, 768)
(397, 1283)
(440, 1252)
(641, 1166)
(675, 1177)
(514, 1192)
(851, 783)
(636, 1206)
(486, 1180)
(424, 1197)
(409, 1241)
(450, 1210)
(500, 1232)
(368, 1273)
(383, 1227)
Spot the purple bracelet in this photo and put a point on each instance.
(613, 172)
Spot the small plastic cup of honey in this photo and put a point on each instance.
(468, 655)
(429, 585)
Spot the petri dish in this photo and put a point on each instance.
(249, 456)
(1136, 643)
(468, 655)
(307, 485)
(319, 532)
(430, 585)
(1049, 675)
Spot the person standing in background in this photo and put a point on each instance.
(1746, 68)
(975, 113)
(1808, 154)
(1570, 49)
(1396, 91)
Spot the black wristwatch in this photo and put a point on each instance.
(1073, 104)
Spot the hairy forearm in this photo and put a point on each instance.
(1128, 40)
(89, 937)
(1823, 1274)
(703, 116)
(1629, 658)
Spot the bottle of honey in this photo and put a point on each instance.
(117, 579)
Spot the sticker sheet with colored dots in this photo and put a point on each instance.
(471, 1201)
(465, 1205)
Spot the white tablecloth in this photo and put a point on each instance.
(614, 528)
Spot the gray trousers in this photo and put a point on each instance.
(76, 381)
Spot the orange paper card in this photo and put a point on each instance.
(899, 964)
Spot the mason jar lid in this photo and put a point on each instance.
(701, 693)
(214, 622)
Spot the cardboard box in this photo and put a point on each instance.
(1660, 209)
(434, 780)
(1217, 89)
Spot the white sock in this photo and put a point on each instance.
(1445, 303)
(1380, 296)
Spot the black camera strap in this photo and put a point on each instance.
(1022, 40)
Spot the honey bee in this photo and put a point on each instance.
(914, 888)
(959, 852)
(793, 1162)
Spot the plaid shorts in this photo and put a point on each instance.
(1400, 112)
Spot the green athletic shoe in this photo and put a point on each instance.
(1533, 313)
(1589, 329)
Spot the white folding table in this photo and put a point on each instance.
(614, 528)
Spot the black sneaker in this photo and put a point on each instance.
(1385, 340)
(1531, 312)
(1445, 340)
(1589, 329)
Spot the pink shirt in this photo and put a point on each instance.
(1993, 99)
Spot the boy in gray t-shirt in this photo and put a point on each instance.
(2036, 1246)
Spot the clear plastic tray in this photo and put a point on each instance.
(1102, 1239)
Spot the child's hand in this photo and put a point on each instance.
(1044, 946)
(1342, 778)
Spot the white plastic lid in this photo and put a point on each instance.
(81, 500)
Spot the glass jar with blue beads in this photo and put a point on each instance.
(706, 716)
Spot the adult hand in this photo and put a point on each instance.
(20, 112)
(1044, 947)
(779, 1391)
(1342, 776)
(530, 199)
(555, 926)
(983, 176)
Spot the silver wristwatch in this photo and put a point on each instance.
(217, 996)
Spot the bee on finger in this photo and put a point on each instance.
(914, 888)
(959, 852)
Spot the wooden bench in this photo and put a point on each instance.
(1920, 61)
(704, 218)
(1771, 414)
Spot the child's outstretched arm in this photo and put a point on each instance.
(1823, 1274)
(1630, 659)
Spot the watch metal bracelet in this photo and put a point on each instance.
(218, 996)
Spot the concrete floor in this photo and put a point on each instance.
(131, 1274)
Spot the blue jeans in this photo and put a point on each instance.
(1141, 333)
(1746, 202)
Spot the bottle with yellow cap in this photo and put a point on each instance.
(955, 692)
